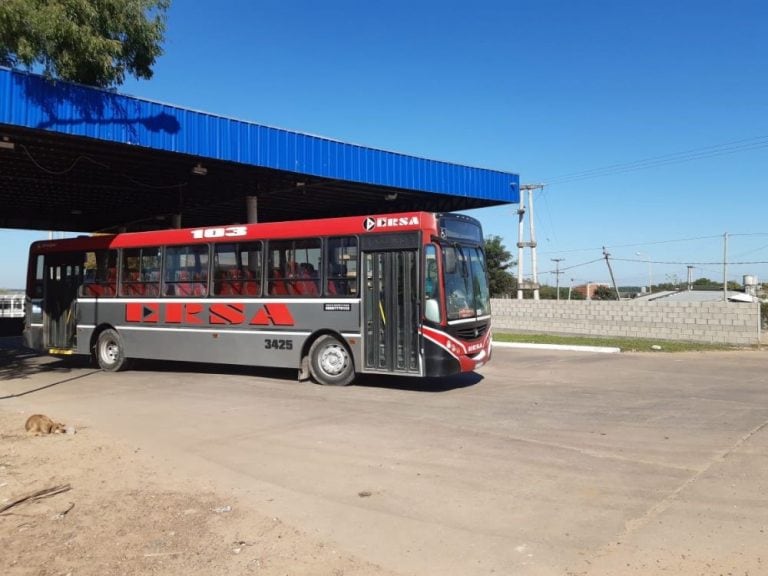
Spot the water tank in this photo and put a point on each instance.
(750, 284)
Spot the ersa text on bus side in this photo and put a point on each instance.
(274, 314)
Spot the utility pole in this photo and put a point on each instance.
(690, 277)
(520, 246)
(557, 274)
(530, 244)
(725, 267)
(532, 232)
(610, 270)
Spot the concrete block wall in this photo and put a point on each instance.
(712, 322)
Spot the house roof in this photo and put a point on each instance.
(696, 296)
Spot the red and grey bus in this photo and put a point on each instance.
(402, 293)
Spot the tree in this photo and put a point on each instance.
(498, 260)
(94, 42)
(547, 292)
(706, 283)
(604, 293)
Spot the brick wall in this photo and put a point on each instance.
(715, 322)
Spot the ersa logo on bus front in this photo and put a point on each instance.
(389, 222)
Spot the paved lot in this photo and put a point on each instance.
(544, 463)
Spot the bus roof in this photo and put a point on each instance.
(342, 226)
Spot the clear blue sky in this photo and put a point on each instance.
(541, 88)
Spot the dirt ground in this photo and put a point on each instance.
(546, 464)
(125, 515)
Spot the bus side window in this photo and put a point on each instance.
(250, 266)
(140, 272)
(186, 271)
(36, 276)
(100, 274)
(293, 266)
(341, 266)
(237, 269)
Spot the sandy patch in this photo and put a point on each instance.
(123, 516)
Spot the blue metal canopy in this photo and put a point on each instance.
(82, 142)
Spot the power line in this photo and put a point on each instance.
(732, 147)
(549, 214)
(693, 263)
(580, 265)
(661, 262)
(612, 246)
(758, 249)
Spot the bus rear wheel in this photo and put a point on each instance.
(330, 362)
(110, 352)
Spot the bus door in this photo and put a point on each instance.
(62, 279)
(391, 314)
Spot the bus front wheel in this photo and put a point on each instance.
(330, 362)
(110, 352)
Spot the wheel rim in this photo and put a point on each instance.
(334, 360)
(110, 352)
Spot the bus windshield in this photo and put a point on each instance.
(466, 282)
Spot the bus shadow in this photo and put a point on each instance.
(444, 384)
(387, 381)
(18, 364)
(144, 365)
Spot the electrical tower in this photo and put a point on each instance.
(521, 244)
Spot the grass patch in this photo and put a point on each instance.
(625, 344)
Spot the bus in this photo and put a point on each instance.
(12, 305)
(403, 294)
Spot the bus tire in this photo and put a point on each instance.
(110, 352)
(330, 362)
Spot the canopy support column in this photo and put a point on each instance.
(252, 207)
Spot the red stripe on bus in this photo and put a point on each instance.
(142, 312)
(191, 312)
(227, 314)
(277, 314)
(173, 312)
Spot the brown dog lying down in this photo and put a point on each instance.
(40, 424)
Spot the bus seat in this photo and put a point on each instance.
(183, 286)
(251, 285)
(110, 286)
(306, 285)
(133, 285)
(199, 285)
(223, 285)
(93, 290)
(220, 284)
(337, 285)
(277, 285)
(228, 283)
